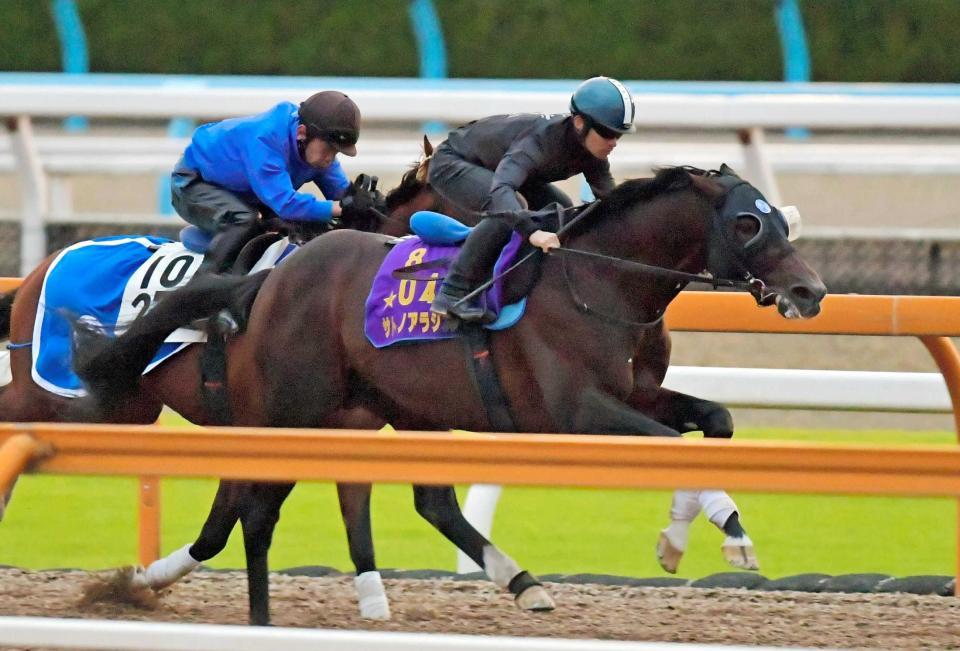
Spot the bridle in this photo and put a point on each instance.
(719, 239)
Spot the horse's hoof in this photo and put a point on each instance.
(739, 553)
(371, 596)
(375, 608)
(535, 598)
(138, 578)
(668, 555)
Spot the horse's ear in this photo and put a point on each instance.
(427, 147)
(727, 170)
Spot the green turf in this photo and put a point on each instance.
(57, 521)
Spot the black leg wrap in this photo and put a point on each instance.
(521, 582)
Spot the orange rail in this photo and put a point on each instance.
(529, 459)
(550, 460)
(841, 314)
(17, 452)
(932, 319)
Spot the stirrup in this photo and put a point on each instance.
(222, 323)
(453, 306)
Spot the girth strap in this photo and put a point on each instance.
(213, 379)
(484, 376)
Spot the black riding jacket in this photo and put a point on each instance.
(524, 147)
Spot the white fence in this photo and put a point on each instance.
(745, 109)
(145, 636)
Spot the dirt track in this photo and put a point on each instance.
(883, 621)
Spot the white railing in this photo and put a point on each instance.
(746, 109)
(146, 636)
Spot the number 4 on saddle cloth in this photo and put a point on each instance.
(398, 308)
(110, 281)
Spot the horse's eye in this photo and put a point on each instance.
(747, 227)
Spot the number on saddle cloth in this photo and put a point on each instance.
(195, 239)
(398, 307)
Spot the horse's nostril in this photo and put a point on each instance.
(803, 293)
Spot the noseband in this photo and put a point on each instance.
(719, 244)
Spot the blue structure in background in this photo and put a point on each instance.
(73, 49)
(430, 44)
(793, 42)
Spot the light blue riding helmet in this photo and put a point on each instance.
(606, 102)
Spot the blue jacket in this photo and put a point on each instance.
(258, 155)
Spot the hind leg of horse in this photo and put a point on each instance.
(258, 525)
(438, 506)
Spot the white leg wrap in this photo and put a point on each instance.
(678, 533)
(371, 596)
(499, 567)
(685, 506)
(6, 375)
(717, 505)
(168, 570)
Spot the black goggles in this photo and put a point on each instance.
(605, 133)
(336, 137)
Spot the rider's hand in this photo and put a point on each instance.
(545, 240)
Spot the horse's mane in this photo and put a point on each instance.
(666, 180)
(411, 183)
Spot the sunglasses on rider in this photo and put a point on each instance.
(340, 138)
(337, 137)
(605, 133)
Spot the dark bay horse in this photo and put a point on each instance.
(24, 400)
(567, 366)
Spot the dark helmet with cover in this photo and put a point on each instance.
(333, 117)
(605, 102)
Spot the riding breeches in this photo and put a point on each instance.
(232, 220)
(468, 185)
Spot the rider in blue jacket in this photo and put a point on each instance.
(505, 163)
(238, 169)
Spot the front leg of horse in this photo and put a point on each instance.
(600, 413)
(258, 523)
(231, 498)
(438, 506)
(720, 509)
(686, 413)
(355, 509)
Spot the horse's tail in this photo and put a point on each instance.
(6, 311)
(110, 367)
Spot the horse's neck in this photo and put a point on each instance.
(670, 232)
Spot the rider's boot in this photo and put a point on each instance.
(449, 303)
(219, 258)
(476, 259)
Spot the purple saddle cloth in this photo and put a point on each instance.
(399, 309)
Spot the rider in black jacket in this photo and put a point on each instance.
(498, 164)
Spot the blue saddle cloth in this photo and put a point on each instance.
(110, 281)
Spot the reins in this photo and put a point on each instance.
(753, 285)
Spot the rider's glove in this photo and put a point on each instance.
(360, 204)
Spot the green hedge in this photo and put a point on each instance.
(850, 40)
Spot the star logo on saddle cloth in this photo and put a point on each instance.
(389, 299)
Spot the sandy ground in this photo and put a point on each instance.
(719, 616)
